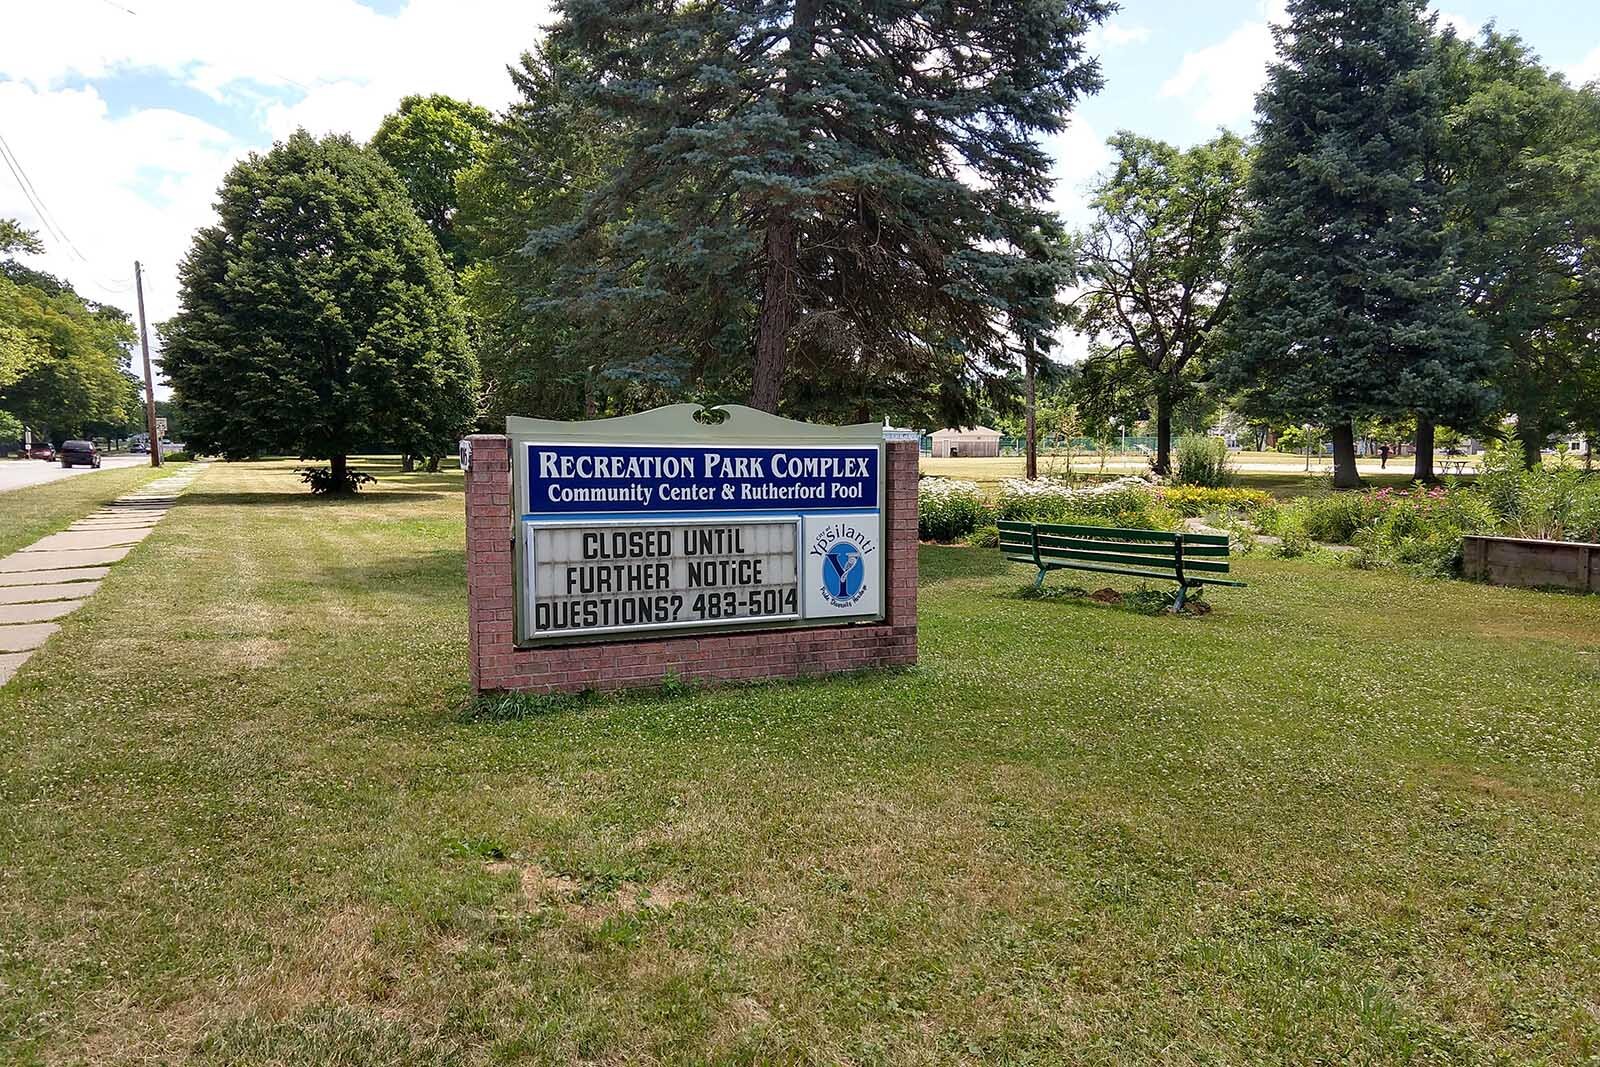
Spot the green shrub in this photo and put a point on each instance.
(1336, 518)
(1203, 461)
(984, 537)
(949, 509)
(1192, 501)
(177, 457)
(1293, 540)
(1558, 504)
(321, 480)
(1583, 522)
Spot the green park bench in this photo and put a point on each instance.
(1190, 559)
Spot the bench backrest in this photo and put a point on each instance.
(1145, 553)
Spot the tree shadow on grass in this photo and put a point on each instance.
(440, 482)
(943, 562)
(432, 572)
(298, 498)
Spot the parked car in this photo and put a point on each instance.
(79, 454)
(44, 452)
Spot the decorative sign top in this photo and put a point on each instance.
(667, 519)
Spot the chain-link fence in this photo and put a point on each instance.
(1051, 445)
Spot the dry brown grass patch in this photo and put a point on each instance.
(585, 902)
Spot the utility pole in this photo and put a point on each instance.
(149, 382)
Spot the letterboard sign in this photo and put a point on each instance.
(657, 522)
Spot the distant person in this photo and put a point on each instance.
(1383, 457)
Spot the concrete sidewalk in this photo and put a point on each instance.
(53, 576)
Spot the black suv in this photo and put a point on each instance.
(74, 453)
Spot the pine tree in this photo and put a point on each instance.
(846, 188)
(1348, 299)
(317, 315)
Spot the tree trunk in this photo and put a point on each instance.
(1532, 440)
(340, 468)
(1033, 408)
(1163, 463)
(433, 464)
(1345, 475)
(777, 313)
(591, 406)
(781, 244)
(408, 462)
(1424, 450)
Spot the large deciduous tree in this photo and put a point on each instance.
(1157, 263)
(1348, 301)
(1523, 156)
(430, 141)
(63, 359)
(317, 315)
(845, 189)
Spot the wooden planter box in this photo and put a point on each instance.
(1526, 562)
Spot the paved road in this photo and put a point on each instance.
(18, 473)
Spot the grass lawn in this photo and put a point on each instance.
(30, 513)
(1348, 817)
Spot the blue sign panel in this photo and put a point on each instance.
(568, 479)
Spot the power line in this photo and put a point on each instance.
(12, 167)
(52, 225)
(32, 193)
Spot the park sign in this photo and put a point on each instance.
(660, 523)
(688, 544)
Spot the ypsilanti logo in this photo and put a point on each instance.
(842, 553)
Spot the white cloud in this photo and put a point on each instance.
(1219, 82)
(137, 185)
(1584, 70)
(123, 188)
(1080, 154)
(1112, 35)
(1465, 27)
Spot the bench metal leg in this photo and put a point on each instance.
(1183, 594)
(1039, 581)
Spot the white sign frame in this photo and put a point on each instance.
(530, 591)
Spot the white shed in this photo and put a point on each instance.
(966, 441)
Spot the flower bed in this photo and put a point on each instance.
(1192, 501)
(949, 509)
(1130, 502)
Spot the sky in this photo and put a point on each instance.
(124, 115)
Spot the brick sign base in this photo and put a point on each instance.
(498, 665)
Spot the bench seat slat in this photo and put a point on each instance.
(1092, 544)
(1111, 554)
(1061, 565)
(1055, 565)
(1151, 563)
(1106, 533)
